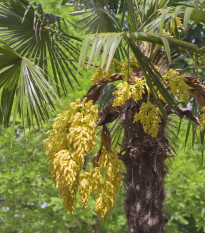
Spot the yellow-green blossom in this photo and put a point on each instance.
(82, 132)
(127, 69)
(84, 188)
(122, 93)
(125, 91)
(73, 135)
(202, 119)
(170, 31)
(177, 84)
(110, 163)
(65, 175)
(101, 72)
(57, 137)
(89, 182)
(105, 200)
(149, 116)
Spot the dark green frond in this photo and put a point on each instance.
(41, 37)
(24, 89)
(190, 49)
(99, 15)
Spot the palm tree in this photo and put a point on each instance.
(144, 38)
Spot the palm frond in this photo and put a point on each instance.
(198, 14)
(109, 42)
(190, 49)
(99, 15)
(160, 13)
(40, 37)
(24, 84)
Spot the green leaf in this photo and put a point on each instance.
(40, 37)
(187, 16)
(7, 55)
(24, 84)
(109, 42)
(167, 48)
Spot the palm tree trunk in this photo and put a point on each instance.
(144, 181)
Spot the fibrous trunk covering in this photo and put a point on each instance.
(144, 181)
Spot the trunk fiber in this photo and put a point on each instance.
(144, 181)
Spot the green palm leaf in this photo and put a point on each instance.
(40, 37)
(99, 17)
(192, 50)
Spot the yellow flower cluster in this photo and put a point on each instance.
(177, 84)
(57, 139)
(105, 200)
(113, 168)
(84, 188)
(122, 94)
(127, 72)
(89, 182)
(73, 135)
(123, 67)
(125, 91)
(172, 31)
(149, 116)
(65, 176)
(82, 133)
(202, 119)
(101, 72)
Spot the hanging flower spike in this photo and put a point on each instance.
(73, 135)
(202, 119)
(89, 182)
(137, 89)
(84, 188)
(122, 94)
(96, 180)
(111, 164)
(57, 137)
(82, 132)
(125, 91)
(65, 176)
(177, 84)
(148, 115)
(105, 200)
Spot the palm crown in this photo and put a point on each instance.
(42, 40)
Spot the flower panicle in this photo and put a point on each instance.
(111, 164)
(149, 116)
(125, 91)
(177, 85)
(72, 136)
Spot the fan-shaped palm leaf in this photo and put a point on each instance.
(23, 83)
(150, 14)
(40, 37)
(99, 17)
